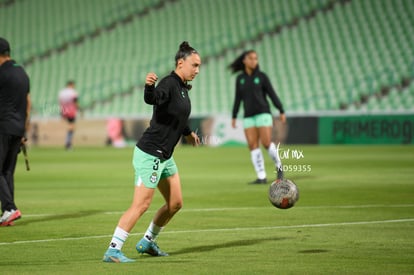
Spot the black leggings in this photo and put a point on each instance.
(9, 149)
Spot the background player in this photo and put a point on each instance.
(68, 101)
(253, 87)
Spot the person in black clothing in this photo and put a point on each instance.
(153, 162)
(14, 120)
(253, 87)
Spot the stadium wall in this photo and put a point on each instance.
(366, 129)
(217, 131)
(313, 129)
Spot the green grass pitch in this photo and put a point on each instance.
(355, 214)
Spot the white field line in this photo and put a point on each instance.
(250, 208)
(221, 230)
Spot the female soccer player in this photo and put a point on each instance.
(253, 87)
(153, 162)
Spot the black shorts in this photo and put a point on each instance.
(70, 119)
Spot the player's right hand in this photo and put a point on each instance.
(151, 79)
(233, 123)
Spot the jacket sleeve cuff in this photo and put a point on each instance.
(149, 88)
(187, 131)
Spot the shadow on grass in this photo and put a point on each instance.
(238, 243)
(313, 251)
(65, 216)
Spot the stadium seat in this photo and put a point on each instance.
(324, 55)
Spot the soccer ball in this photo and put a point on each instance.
(283, 194)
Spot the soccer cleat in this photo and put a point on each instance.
(116, 256)
(7, 224)
(5, 216)
(9, 216)
(279, 174)
(259, 181)
(149, 247)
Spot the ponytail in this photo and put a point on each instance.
(238, 64)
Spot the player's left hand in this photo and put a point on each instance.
(282, 118)
(193, 139)
(23, 141)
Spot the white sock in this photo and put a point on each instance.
(274, 154)
(152, 231)
(258, 163)
(118, 238)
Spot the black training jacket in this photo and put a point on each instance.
(253, 90)
(171, 110)
(14, 87)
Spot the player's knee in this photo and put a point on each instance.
(253, 146)
(266, 143)
(175, 207)
(144, 207)
(141, 207)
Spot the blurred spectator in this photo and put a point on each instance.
(68, 100)
(114, 128)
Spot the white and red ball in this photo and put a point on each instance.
(283, 194)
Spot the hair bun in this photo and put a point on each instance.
(184, 45)
(184, 50)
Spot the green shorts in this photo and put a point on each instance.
(260, 120)
(150, 169)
